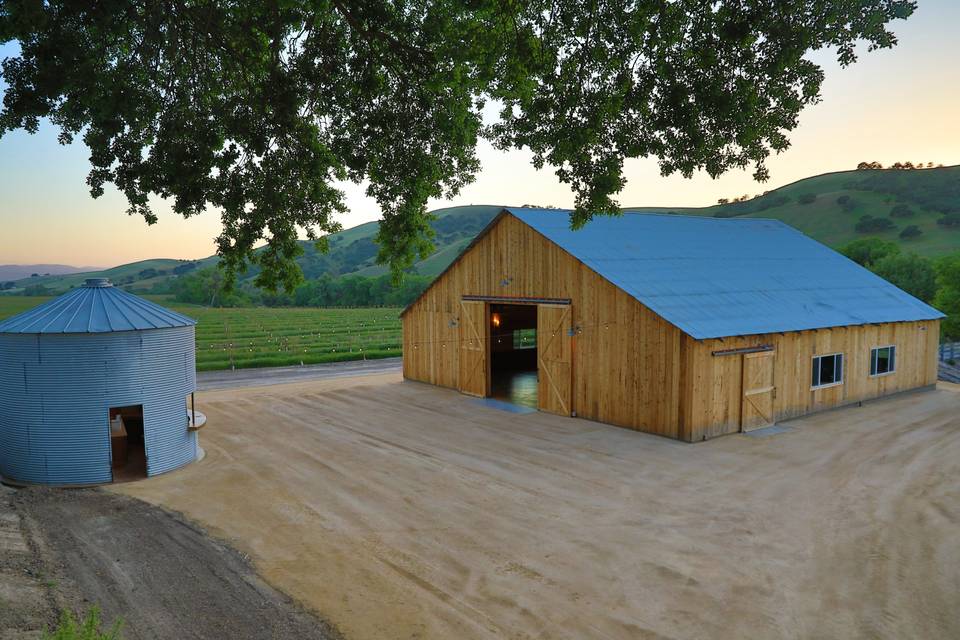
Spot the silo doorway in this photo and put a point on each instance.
(128, 451)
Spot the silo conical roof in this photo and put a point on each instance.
(95, 307)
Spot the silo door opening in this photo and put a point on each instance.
(127, 446)
(513, 354)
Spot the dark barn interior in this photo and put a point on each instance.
(513, 353)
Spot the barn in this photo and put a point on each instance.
(95, 387)
(687, 327)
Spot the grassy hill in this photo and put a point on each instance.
(142, 275)
(826, 207)
(10, 272)
(929, 193)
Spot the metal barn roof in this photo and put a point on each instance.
(95, 307)
(718, 277)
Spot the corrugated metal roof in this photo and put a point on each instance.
(718, 277)
(96, 307)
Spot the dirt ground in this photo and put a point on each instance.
(400, 510)
(27, 601)
(158, 573)
(267, 376)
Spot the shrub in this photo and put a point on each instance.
(901, 211)
(911, 231)
(847, 203)
(866, 251)
(949, 220)
(807, 198)
(869, 223)
(36, 290)
(87, 629)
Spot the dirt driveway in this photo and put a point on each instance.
(399, 510)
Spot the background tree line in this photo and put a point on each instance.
(936, 282)
(207, 287)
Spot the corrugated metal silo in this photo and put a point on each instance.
(70, 363)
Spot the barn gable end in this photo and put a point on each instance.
(627, 359)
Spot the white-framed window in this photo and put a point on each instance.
(525, 338)
(883, 360)
(827, 370)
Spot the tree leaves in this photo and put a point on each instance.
(257, 109)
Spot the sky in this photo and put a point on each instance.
(892, 105)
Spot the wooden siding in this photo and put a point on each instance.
(712, 385)
(632, 368)
(626, 359)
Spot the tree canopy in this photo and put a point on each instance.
(948, 294)
(912, 273)
(257, 109)
(866, 251)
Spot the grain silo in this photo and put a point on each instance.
(94, 387)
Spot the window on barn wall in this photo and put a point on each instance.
(525, 339)
(883, 360)
(827, 370)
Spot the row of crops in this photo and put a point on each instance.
(274, 337)
(264, 337)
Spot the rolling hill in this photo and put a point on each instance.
(10, 272)
(827, 207)
(142, 275)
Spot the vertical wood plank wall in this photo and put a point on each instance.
(711, 391)
(634, 369)
(627, 358)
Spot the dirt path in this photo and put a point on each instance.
(27, 600)
(164, 577)
(401, 510)
(265, 376)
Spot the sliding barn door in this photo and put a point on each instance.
(759, 391)
(474, 353)
(554, 358)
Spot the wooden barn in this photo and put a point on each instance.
(681, 326)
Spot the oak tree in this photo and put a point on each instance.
(257, 108)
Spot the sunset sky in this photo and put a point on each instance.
(899, 104)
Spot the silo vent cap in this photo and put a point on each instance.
(93, 283)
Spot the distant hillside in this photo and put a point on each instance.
(353, 251)
(10, 272)
(143, 276)
(828, 207)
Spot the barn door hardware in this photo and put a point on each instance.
(732, 352)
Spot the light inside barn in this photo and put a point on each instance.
(495, 319)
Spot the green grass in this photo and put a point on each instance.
(86, 628)
(267, 337)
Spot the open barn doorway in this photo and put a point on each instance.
(513, 354)
(128, 451)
